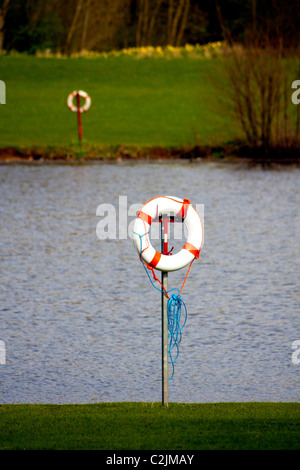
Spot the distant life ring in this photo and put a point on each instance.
(157, 207)
(83, 108)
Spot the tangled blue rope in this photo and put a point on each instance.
(175, 304)
(174, 310)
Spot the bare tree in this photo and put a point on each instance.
(146, 21)
(72, 28)
(3, 12)
(93, 24)
(85, 24)
(106, 20)
(177, 19)
(148, 14)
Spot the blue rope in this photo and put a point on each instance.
(174, 311)
(175, 304)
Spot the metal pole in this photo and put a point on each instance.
(164, 316)
(79, 117)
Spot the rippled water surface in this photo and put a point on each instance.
(80, 319)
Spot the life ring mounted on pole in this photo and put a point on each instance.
(157, 207)
(83, 108)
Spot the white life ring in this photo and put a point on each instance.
(83, 108)
(168, 205)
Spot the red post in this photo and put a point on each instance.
(79, 117)
(165, 233)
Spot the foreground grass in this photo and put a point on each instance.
(139, 426)
(147, 102)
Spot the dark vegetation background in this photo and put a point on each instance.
(102, 25)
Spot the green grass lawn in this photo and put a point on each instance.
(145, 426)
(146, 102)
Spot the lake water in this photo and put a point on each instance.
(80, 319)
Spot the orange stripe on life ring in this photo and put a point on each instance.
(145, 217)
(155, 260)
(182, 212)
(192, 249)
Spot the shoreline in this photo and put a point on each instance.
(233, 153)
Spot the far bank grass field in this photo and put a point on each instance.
(143, 102)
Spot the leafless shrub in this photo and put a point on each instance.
(260, 77)
(260, 71)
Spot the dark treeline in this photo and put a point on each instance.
(73, 25)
